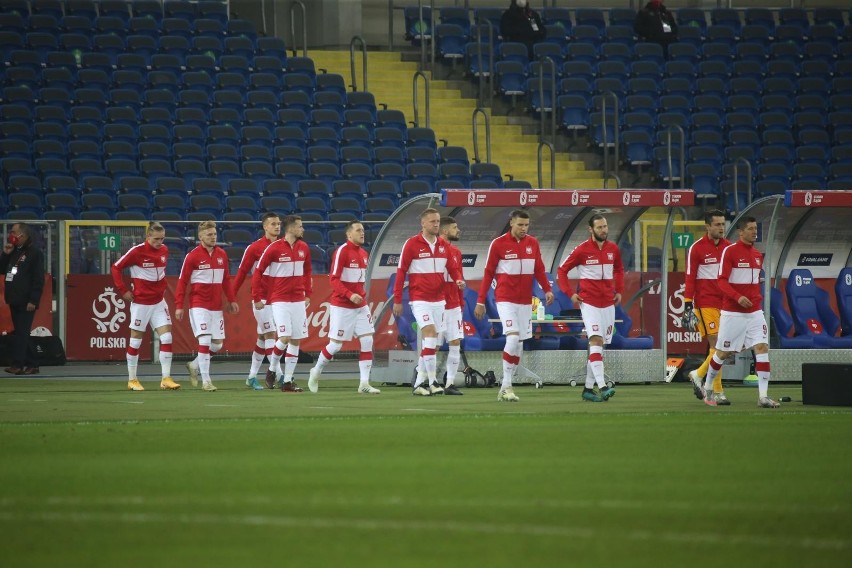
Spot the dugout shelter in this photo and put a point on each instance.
(640, 223)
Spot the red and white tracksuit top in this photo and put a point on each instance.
(147, 273)
(249, 260)
(702, 272)
(514, 263)
(454, 296)
(601, 273)
(739, 275)
(283, 273)
(425, 265)
(208, 275)
(347, 275)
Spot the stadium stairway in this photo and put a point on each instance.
(390, 81)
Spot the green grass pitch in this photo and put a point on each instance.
(94, 475)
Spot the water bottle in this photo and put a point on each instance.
(539, 313)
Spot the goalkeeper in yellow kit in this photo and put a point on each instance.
(704, 300)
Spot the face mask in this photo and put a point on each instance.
(12, 239)
(521, 3)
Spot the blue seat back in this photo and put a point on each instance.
(843, 291)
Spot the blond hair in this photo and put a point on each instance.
(204, 225)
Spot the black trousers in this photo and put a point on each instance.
(23, 322)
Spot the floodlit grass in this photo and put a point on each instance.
(93, 475)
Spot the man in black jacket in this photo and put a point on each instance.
(522, 24)
(23, 264)
(654, 23)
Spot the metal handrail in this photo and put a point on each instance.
(484, 22)
(669, 153)
(414, 97)
(610, 176)
(617, 140)
(422, 39)
(390, 25)
(552, 149)
(432, 39)
(542, 63)
(360, 40)
(737, 182)
(301, 6)
(476, 111)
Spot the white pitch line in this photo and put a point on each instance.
(420, 409)
(322, 407)
(25, 400)
(129, 401)
(396, 524)
(223, 405)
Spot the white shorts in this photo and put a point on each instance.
(453, 324)
(429, 313)
(143, 314)
(516, 318)
(291, 319)
(598, 321)
(738, 331)
(207, 322)
(263, 317)
(344, 322)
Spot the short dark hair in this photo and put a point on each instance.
(268, 215)
(155, 227)
(595, 217)
(351, 224)
(429, 211)
(708, 215)
(289, 221)
(741, 224)
(446, 221)
(25, 229)
(519, 214)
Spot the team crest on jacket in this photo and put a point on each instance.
(163, 258)
(609, 256)
(441, 250)
(529, 250)
(219, 261)
(301, 254)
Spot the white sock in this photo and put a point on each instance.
(453, 359)
(421, 372)
(275, 359)
(257, 357)
(166, 354)
(761, 367)
(291, 358)
(365, 359)
(511, 358)
(596, 364)
(133, 357)
(204, 358)
(327, 354)
(429, 359)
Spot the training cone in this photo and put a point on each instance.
(750, 381)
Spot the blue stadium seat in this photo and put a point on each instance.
(811, 311)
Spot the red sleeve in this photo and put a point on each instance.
(488, 275)
(401, 271)
(227, 283)
(259, 282)
(461, 290)
(117, 277)
(540, 272)
(183, 280)
(338, 261)
(563, 270)
(725, 273)
(689, 276)
(245, 266)
(309, 269)
(618, 271)
(454, 266)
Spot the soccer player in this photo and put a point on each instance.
(743, 325)
(601, 284)
(453, 310)
(205, 270)
(514, 259)
(349, 313)
(424, 258)
(147, 263)
(702, 291)
(263, 316)
(282, 279)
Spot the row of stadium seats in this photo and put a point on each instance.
(811, 323)
(123, 10)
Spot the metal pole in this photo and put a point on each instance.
(360, 40)
(301, 6)
(390, 25)
(480, 110)
(550, 146)
(420, 33)
(737, 182)
(414, 97)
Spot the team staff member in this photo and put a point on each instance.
(601, 284)
(205, 270)
(265, 326)
(349, 313)
(424, 258)
(702, 291)
(147, 263)
(23, 264)
(743, 325)
(514, 259)
(282, 279)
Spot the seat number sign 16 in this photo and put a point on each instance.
(109, 241)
